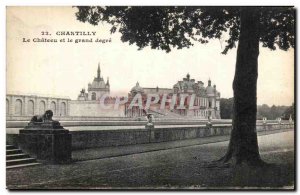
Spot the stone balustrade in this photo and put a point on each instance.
(82, 139)
(105, 138)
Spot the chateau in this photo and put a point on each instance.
(206, 101)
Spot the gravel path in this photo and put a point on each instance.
(166, 169)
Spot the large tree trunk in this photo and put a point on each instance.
(243, 146)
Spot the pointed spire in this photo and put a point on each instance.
(209, 82)
(98, 71)
(188, 76)
(107, 82)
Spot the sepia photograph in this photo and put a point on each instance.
(150, 98)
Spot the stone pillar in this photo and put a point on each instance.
(209, 126)
(38, 100)
(57, 102)
(264, 123)
(48, 102)
(25, 113)
(68, 108)
(47, 141)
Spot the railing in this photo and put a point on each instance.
(36, 94)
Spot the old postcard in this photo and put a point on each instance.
(150, 97)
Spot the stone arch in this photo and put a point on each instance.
(7, 107)
(42, 107)
(63, 109)
(18, 107)
(53, 107)
(30, 107)
(93, 96)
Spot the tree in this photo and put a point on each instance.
(290, 111)
(263, 111)
(178, 27)
(226, 108)
(272, 112)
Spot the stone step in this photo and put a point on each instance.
(22, 165)
(20, 161)
(16, 156)
(13, 151)
(9, 147)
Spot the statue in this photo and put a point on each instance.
(82, 95)
(44, 121)
(290, 119)
(150, 124)
(264, 120)
(149, 117)
(47, 116)
(209, 124)
(46, 140)
(279, 120)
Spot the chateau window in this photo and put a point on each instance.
(209, 104)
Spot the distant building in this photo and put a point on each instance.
(88, 103)
(95, 89)
(207, 99)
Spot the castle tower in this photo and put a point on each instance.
(98, 87)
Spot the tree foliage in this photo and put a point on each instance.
(226, 106)
(290, 111)
(179, 27)
(271, 113)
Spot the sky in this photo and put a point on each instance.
(63, 69)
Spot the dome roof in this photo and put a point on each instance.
(137, 88)
(210, 90)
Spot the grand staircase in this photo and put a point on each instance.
(15, 158)
(163, 113)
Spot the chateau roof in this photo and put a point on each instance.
(210, 90)
(98, 83)
(137, 89)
